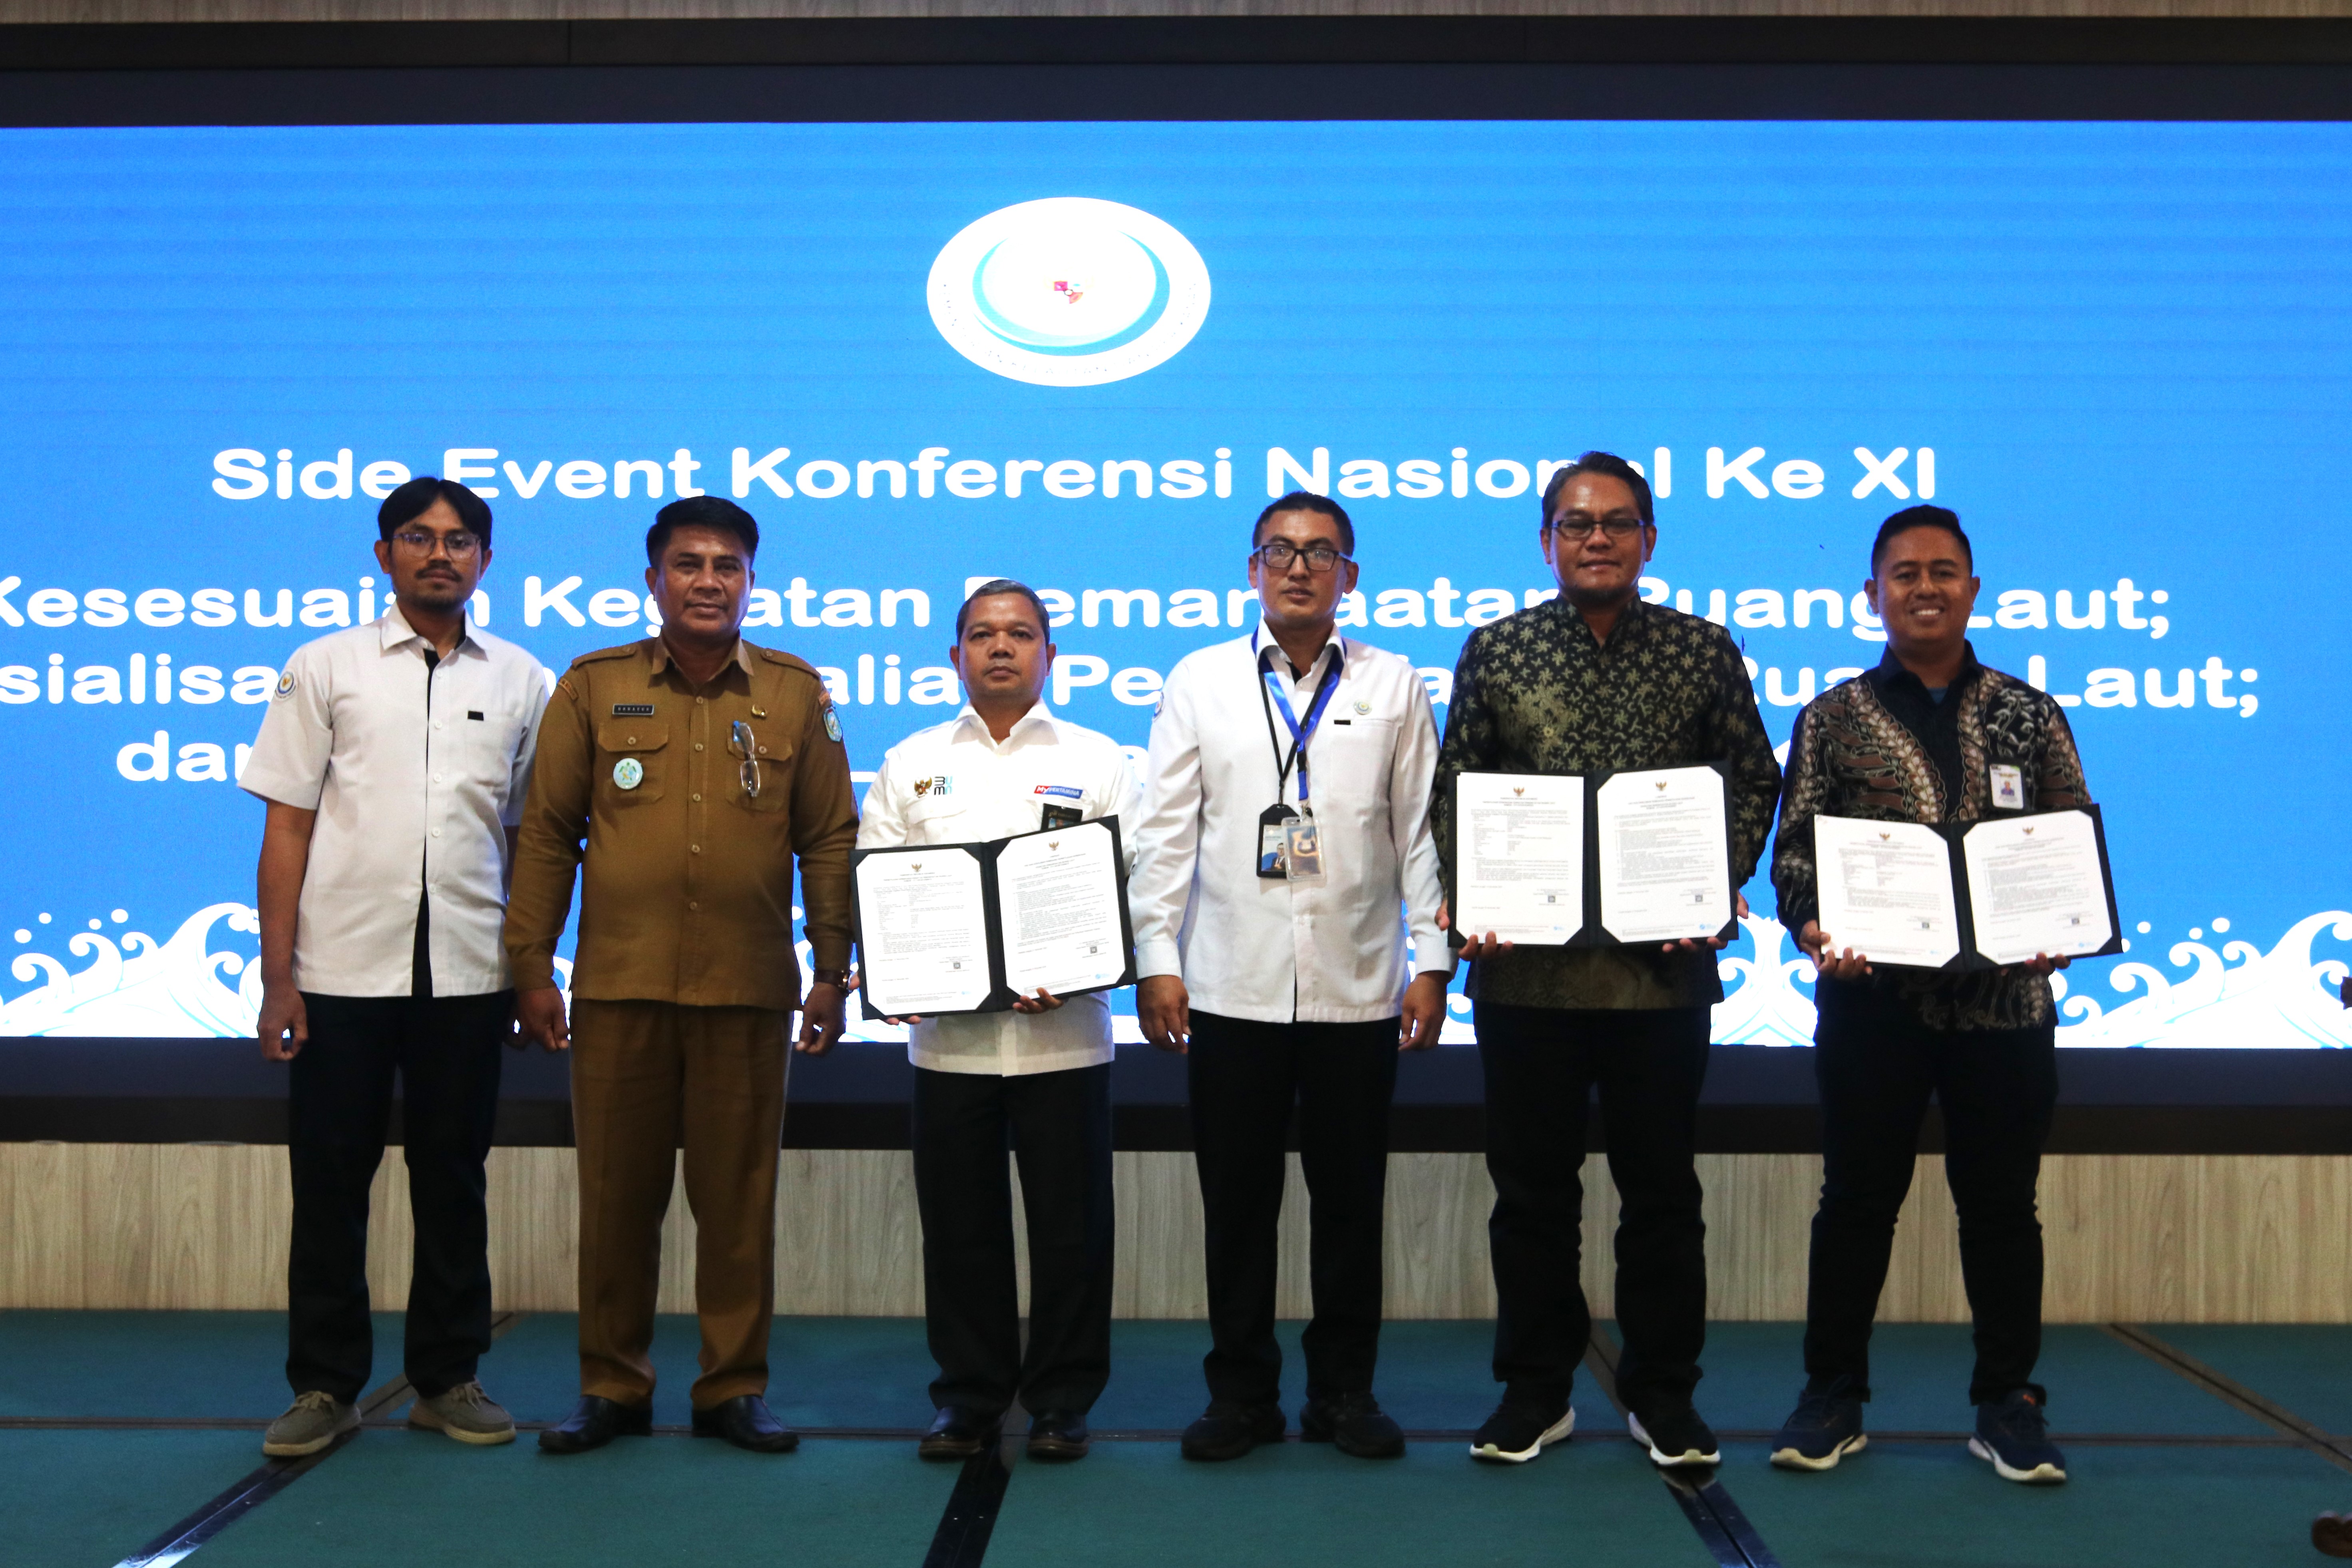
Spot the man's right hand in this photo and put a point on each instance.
(1847, 965)
(1473, 946)
(540, 1015)
(285, 1024)
(1164, 1010)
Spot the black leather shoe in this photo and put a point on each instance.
(1057, 1434)
(959, 1433)
(1354, 1424)
(1229, 1431)
(744, 1420)
(593, 1422)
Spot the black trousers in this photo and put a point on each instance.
(1542, 1064)
(447, 1052)
(1244, 1077)
(1059, 1125)
(1877, 1064)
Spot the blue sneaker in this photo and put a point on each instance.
(1825, 1427)
(2014, 1436)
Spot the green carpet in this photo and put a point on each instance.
(86, 1499)
(1299, 1504)
(1919, 1383)
(402, 1498)
(1907, 1505)
(194, 1364)
(2306, 1367)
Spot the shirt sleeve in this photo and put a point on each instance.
(554, 830)
(1471, 746)
(882, 821)
(2059, 784)
(291, 755)
(1795, 877)
(824, 831)
(526, 750)
(1739, 738)
(1410, 778)
(1167, 833)
(1125, 801)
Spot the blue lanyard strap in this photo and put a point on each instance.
(1299, 733)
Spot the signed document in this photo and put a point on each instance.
(1887, 891)
(1058, 911)
(1665, 854)
(924, 929)
(1520, 867)
(2037, 885)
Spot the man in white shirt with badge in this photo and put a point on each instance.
(393, 760)
(1037, 1077)
(1278, 869)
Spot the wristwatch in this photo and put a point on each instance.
(836, 978)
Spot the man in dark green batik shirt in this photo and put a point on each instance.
(1595, 680)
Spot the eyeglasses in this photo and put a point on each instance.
(1279, 554)
(1617, 529)
(741, 739)
(460, 545)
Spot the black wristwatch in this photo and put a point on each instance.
(836, 978)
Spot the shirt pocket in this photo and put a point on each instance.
(632, 763)
(936, 819)
(774, 777)
(490, 745)
(1351, 762)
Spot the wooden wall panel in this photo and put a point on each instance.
(2138, 1238)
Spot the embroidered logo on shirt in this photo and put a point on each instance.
(285, 684)
(628, 772)
(932, 787)
(633, 710)
(1068, 792)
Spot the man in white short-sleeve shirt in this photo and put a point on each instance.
(1037, 1077)
(394, 759)
(1283, 858)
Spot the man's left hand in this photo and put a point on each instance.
(1043, 1002)
(1424, 1011)
(822, 1017)
(1739, 902)
(2043, 964)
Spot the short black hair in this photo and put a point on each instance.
(415, 498)
(1912, 517)
(996, 585)
(1307, 500)
(701, 511)
(1611, 466)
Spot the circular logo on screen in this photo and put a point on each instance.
(1069, 291)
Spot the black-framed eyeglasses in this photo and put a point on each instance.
(460, 544)
(1279, 557)
(1616, 529)
(740, 739)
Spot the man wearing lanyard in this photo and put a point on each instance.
(1271, 939)
(1037, 1077)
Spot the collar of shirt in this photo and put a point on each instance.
(740, 659)
(398, 633)
(1039, 718)
(1888, 675)
(1631, 620)
(1262, 639)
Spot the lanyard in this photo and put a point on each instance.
(1299, 733)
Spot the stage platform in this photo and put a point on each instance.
(134, 1437)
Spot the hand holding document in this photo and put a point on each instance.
(1971, 896)
(974, 928)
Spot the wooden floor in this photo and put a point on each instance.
(2135, 1238)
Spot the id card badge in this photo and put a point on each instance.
(1053, 816)
(2008, 787)
(1274, 842)
(1303, 847)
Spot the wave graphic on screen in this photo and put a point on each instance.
(2239, 995)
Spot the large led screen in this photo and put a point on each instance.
(1085, 355)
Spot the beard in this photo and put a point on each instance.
(438, 594)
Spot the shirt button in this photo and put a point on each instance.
(695, 848)
(700, 700)
(697, 745)
(694, 798)
(692, 905)
(436, 778)
(437, 833)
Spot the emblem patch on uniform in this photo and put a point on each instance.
(932, 788)
(1363, 706)
(1067, 792)
(285, 684)
(831, 724)
(633, 710)
(628, 772)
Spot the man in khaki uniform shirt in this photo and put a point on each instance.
(694, 767)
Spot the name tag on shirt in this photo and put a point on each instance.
(2008, 787)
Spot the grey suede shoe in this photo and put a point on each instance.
(465, 1412)
(314, 1420)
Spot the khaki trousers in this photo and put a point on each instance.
(647, 1077)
